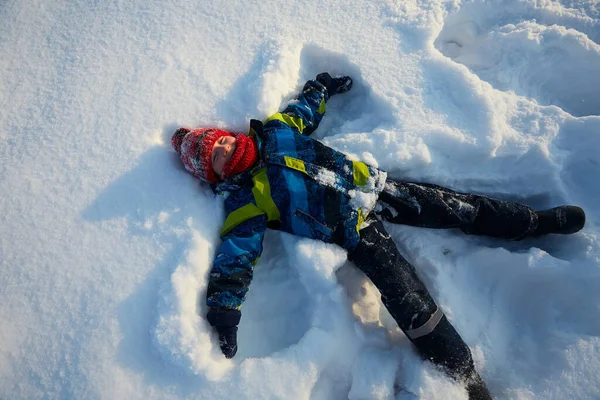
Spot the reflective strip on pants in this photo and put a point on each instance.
(427, 327)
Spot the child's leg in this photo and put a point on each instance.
(433, 206)
(409, 303)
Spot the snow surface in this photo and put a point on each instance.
(106, 242)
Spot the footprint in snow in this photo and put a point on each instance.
(532, 52)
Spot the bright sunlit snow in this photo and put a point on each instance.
(106, 242)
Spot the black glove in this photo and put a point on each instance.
(228, 340)
(339, 84)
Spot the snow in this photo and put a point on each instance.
(106, 242)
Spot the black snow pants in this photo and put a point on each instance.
(432, 206)
(402, 292)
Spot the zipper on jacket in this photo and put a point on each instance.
(313, 221)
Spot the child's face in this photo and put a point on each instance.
(222, 151)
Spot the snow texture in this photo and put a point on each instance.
(106, 242)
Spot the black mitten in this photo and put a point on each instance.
(339, 84)
(228, 340)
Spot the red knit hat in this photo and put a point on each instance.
(195, 149)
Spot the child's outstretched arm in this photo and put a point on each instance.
(230, 278)
(305, 113)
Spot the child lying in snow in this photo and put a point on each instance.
(278, 177)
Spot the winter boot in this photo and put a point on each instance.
(477, 389)
(563, 219)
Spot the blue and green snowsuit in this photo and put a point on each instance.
(299, 186)
(305, 188)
